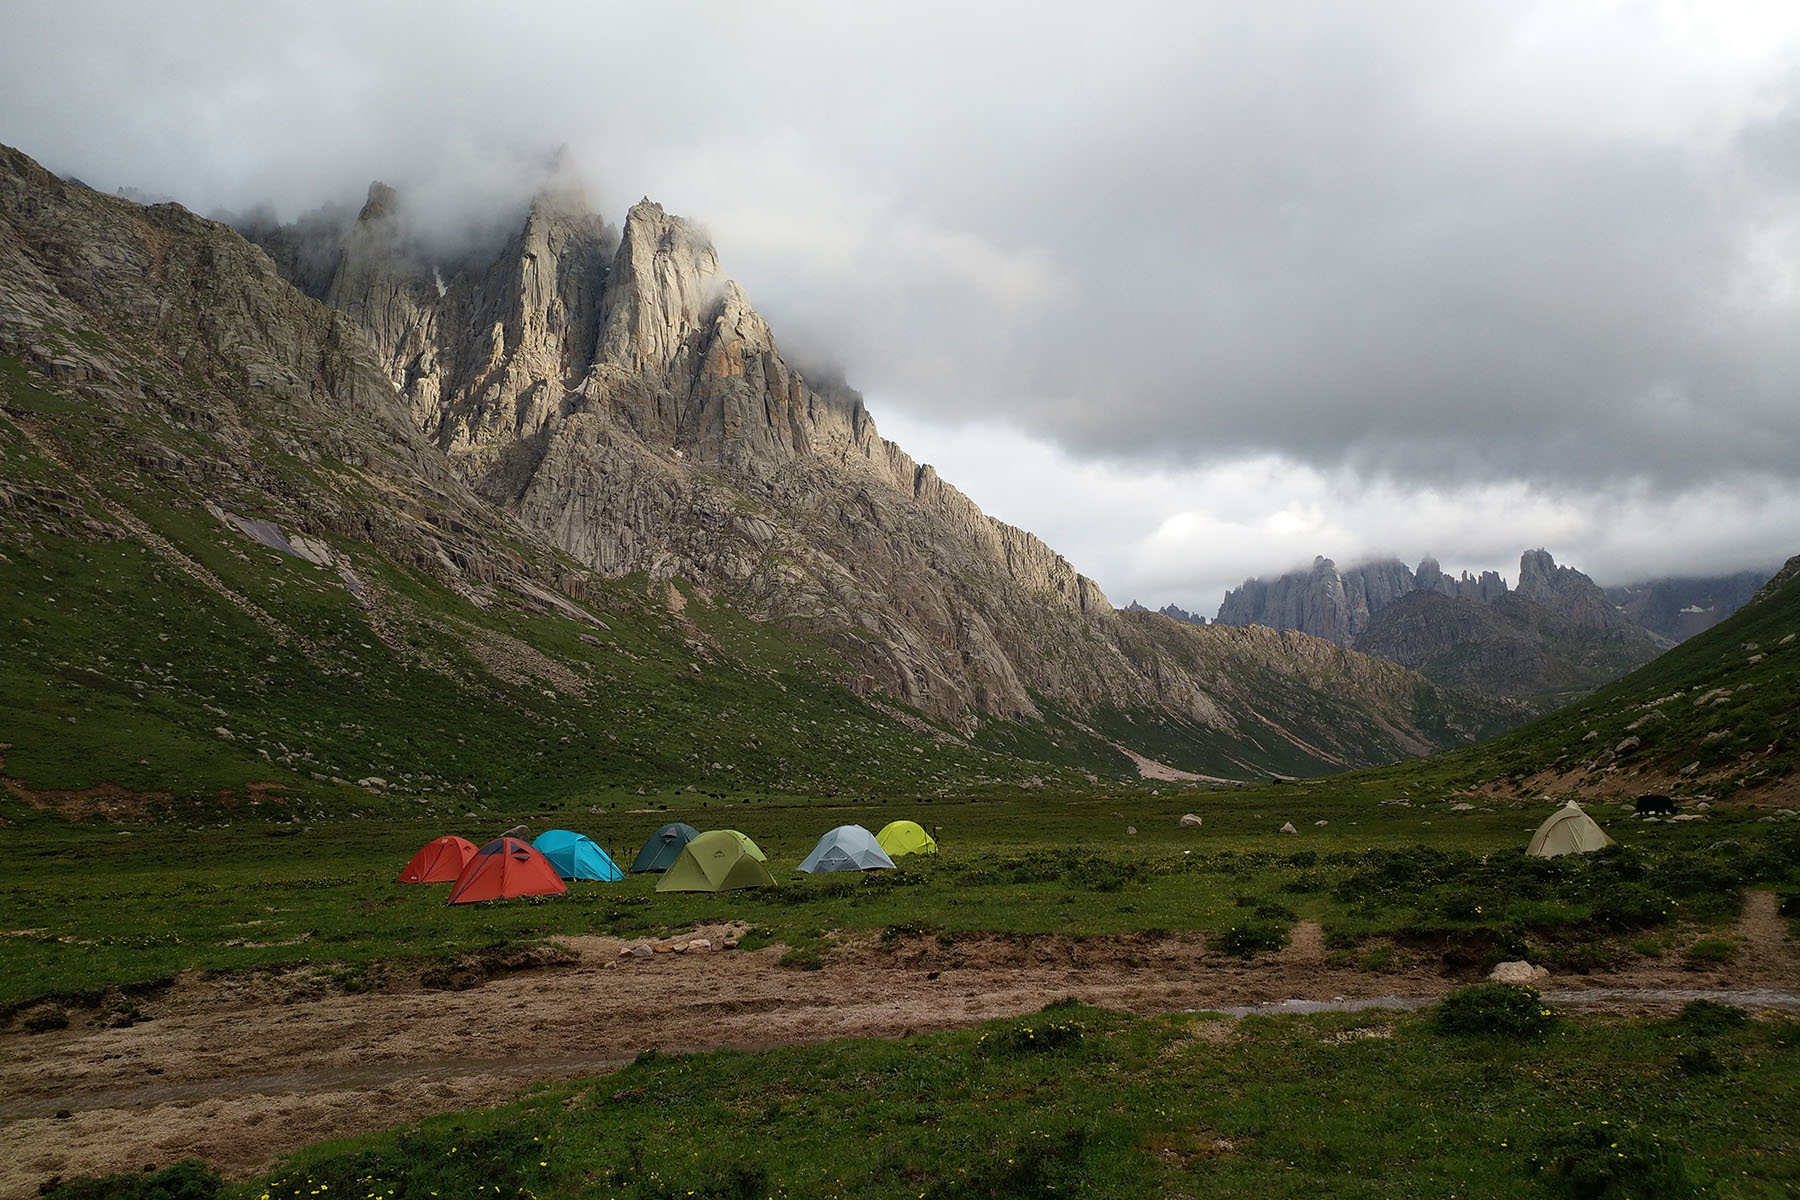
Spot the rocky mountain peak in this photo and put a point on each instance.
(381, 202)
(665, 280)
(1567, 593)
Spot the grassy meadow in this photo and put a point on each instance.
(96, 905)
(1420, 863)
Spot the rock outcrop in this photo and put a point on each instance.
(616, 393)
(1554, 636)
(1338, 606)
(1567, 593)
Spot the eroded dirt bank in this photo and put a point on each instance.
(239, 1071)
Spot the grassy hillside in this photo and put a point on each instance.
(1713, 718)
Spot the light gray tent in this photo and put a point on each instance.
(1568, 830)
(847, 848)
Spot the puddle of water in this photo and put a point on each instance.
(1335, 1004)
(1755, 999)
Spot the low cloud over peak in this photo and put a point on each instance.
(1540, 256)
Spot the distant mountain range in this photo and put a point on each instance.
(1555, 635)
(1680, 608)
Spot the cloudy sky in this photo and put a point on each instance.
(1194, 291)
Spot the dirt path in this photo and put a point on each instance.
(239, 1071)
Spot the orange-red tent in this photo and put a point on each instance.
(504, 868)
(440, 860)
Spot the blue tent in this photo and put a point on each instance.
(663, 847)
(577, 857)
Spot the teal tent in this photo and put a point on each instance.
(577, 857)
(846, 848)
(663, 847)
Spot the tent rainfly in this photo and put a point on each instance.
(716, 861)
(750, 847)
(440, 860)
(846, 848)
(663, 847)
(504, 868)
(1568, 830)
(905, 837)
(577, 857)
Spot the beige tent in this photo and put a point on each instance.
(1568, 830)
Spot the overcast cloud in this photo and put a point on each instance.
(1193, 291)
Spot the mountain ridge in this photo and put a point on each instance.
(167, 394)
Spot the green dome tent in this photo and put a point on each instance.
(716, 861)
(1568, 830)
(663, 847)
(905, 837)
(846, 848)
(750, 847)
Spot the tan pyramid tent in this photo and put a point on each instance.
(716, 861)
(1568, 830)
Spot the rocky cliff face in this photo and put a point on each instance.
(1567, 593)
(1557, 634)
(1512, 647)
(1338, 606)
(1680, 608)
(616, 393)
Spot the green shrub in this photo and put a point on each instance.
(1381, 958)
(1712, 951)
(1038, 1035)
(1709, 1018)
(190, 1179)
(1047, 1165)
(1100, 874)
(1630, 906)
(46, 1019)
(1699, 1060)
(1472, 904)
(1509, 1010)
(802, 958)
(1609, 1162)
(1250, 937)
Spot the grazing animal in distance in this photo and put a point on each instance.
(1655, 804)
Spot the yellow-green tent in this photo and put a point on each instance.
(750, 847)
(905, 837)
(716, 861)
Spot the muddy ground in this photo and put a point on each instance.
(239, 1070)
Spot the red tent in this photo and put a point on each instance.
(504, 868)
(440, 860)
